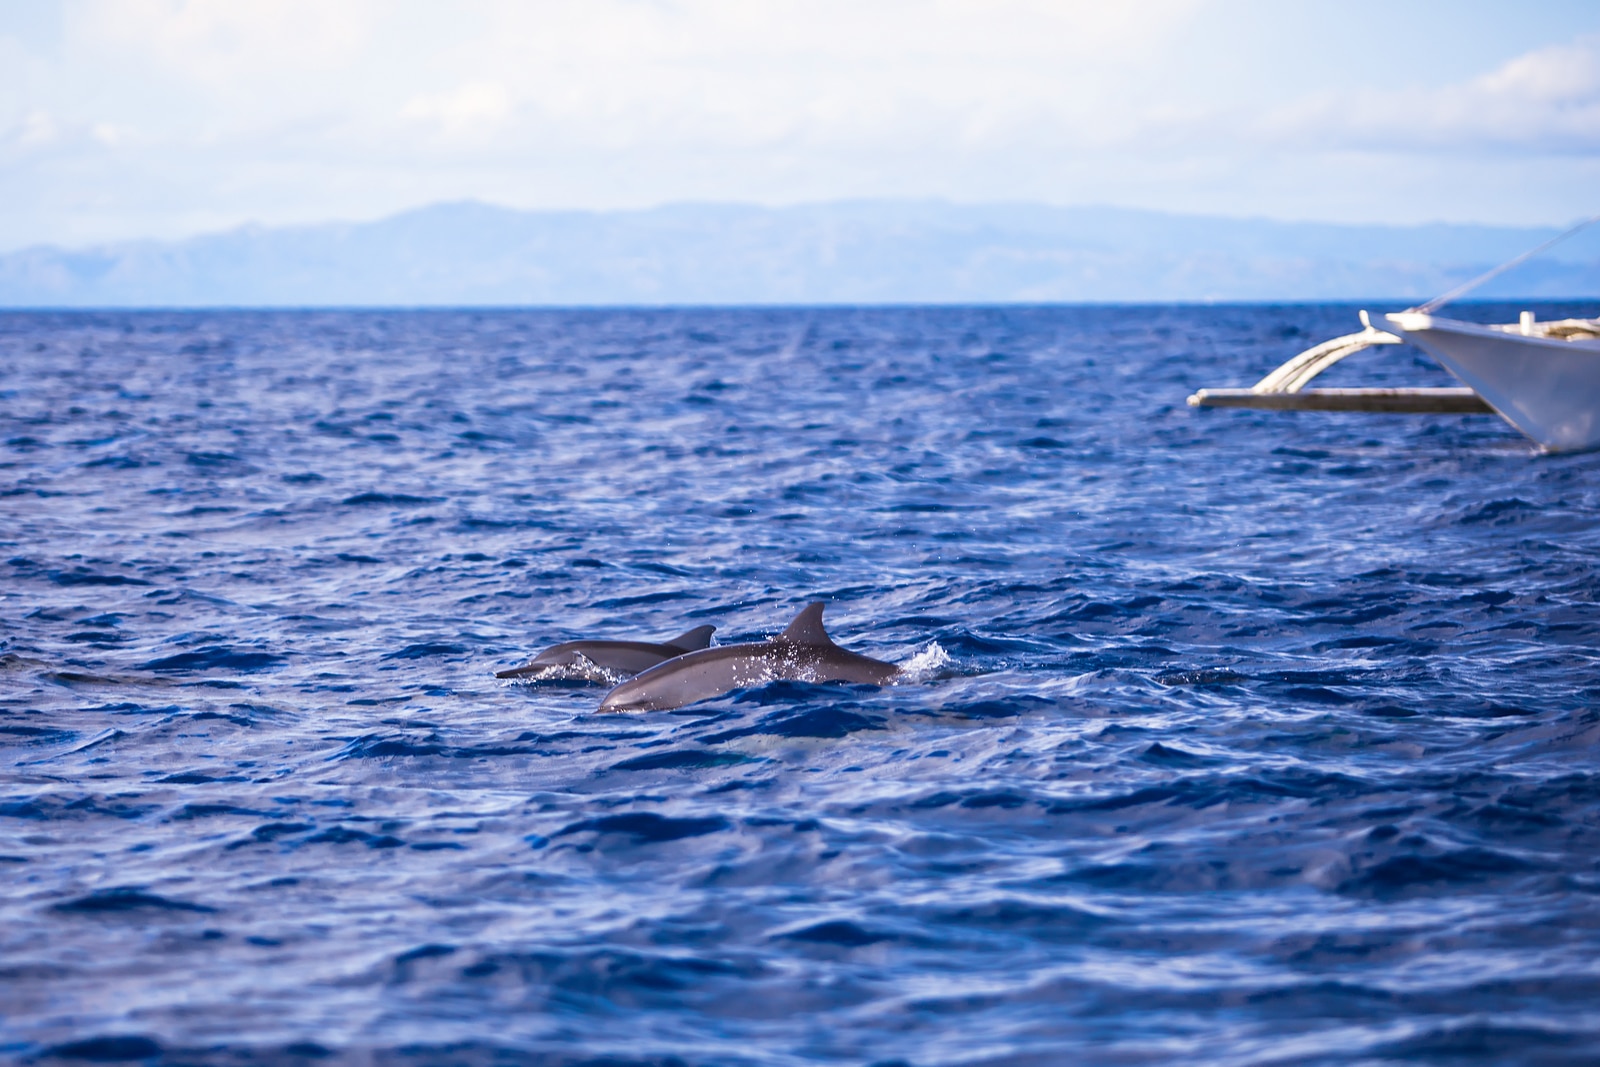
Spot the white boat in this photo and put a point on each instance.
(1542, 377)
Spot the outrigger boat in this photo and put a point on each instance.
(1542, 377)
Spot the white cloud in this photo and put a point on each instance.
(39, 133)
(110, 135)
(220, 43)
(476, 106)
(617, 70)
(1546, 101)
(161, 116)
(35, 130)
(1559, 75)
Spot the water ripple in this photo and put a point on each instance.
(1223, 737)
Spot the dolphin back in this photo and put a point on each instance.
(691, 678)
(804, 652)
(806, 629)
(624, 657)
(690, 640)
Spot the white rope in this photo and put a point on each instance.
(1462, 290)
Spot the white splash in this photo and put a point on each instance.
(925, 665)
(583, 669)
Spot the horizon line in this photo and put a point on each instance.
(997, 305)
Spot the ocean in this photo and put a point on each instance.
(1227, 737)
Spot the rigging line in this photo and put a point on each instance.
(1462, 290)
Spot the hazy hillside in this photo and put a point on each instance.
(853, 252)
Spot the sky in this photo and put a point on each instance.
(124, 119)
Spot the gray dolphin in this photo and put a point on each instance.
(803, 652)
(622, 657)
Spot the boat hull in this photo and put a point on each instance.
(1546, 387)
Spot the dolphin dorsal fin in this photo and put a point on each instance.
(690, 640)
(806, 629)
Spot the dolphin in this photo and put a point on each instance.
(803, 652)
(619, 657)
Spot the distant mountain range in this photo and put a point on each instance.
(857, 252)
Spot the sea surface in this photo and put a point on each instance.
(1227, 738)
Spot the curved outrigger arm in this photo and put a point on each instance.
(1294, 374)
(1284, 388)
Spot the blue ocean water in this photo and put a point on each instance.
(1231, 737)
